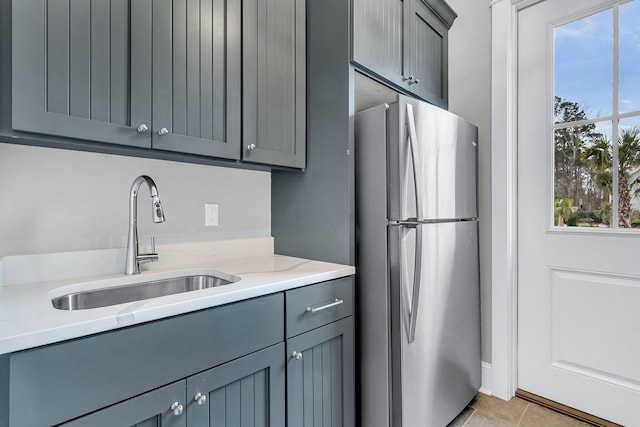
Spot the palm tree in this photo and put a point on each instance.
(628, 159)
(599, 156)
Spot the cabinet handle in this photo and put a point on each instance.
(163, 131)
(297, 355)
(177, 408)
(142, 128)
(324, 307)
(251, 147)
(200, 398)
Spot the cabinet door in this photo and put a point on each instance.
(197, 76)
(320, 382)
(274, 123)
(426, 60)
(377, 37)
(82, 69)
(247, 392)
(152, 409)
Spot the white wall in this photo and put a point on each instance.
(470, 97)
(54, 200)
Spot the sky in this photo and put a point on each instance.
(584, 63)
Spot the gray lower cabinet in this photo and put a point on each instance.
(404, 42)
(320, 355)
(246, 392)
(320, 381)
(274, 84)
(161, 74)
(226, 366)
(152, 409)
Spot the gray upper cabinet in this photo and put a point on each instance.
(73, 62)
(404, 42)
(197, 76)
(273, 107)
(163, 74)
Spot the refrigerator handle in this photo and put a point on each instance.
(415, 293)
(413, 143)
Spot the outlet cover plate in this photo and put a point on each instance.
(211, 214)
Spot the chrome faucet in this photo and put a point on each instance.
(134, 259)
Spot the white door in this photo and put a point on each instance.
(578, 253)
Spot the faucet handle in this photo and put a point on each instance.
(153, 245)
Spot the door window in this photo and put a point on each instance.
(596, 119)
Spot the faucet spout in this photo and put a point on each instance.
(133, 257)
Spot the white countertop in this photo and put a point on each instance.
(27, 285)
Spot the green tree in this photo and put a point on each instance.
(628, 160)
(570, 142)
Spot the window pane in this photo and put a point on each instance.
(629, 173)
(582, 178)
(629, 57)
(583, 65)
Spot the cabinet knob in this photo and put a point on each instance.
(163, 131)
(296, 355)
(200, 398)
(251, 147)
(411, 79)
(177, 408)
(142, 128)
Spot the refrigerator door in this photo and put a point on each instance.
(436, 180)
(437, 374)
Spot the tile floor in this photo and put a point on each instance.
(488, 411)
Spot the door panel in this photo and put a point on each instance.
(148, 410)
(447, 331)
(446, 164)
(274, 85)
(197, 72)
(377, 37)
(426, 52)
(71, 71)
(577, 288)
(320, 383)
(247, 392)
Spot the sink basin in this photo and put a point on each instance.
(139, 291)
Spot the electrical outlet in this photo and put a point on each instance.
(211, 217)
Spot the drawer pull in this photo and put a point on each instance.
(324, 307)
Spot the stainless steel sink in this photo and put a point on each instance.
(135, 292)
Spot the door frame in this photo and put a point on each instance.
(504, 200)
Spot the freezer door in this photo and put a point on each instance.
(436, 372)
(433, 175)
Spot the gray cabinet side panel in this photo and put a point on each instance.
(247, 392)
(320, 385)
(312, 212)
(125, 362)
(4, 390)
(148, 410)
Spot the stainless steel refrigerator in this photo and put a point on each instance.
(417, 268)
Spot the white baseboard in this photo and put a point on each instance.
(487, 377)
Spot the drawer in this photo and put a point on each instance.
(316, 305)
(61, 381)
